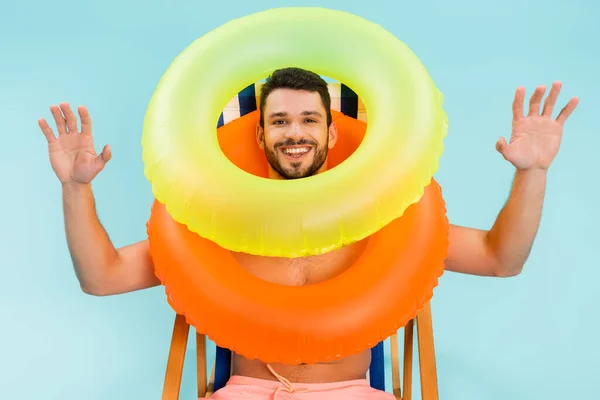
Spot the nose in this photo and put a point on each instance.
(294, 130)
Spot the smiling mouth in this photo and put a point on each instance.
(295, 152)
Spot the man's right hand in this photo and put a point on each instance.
(72, 154)
(100, 268)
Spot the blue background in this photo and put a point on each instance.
(529, 337)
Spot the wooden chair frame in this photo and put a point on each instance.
(427, 363)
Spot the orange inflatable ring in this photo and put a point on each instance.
(385, 287)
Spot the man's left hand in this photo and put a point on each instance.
(535, 138)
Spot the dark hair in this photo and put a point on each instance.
(295, 79)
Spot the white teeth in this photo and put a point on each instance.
(300, 150)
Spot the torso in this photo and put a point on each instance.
(298, 272)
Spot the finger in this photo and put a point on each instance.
(86, 120)
(536, 100)
(104, 156)
(59, 119)
(551, 99)
(70, 117)
(502, 146)
(567, 110)
(46, 130)
(518, 103)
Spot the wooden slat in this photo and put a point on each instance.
(176, 359)
(427, 365)
(409, 330)
(201, 364)
(395, 366)
(211, 382)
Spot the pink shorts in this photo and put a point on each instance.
(241, 387)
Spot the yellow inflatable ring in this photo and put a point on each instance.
(242, 212)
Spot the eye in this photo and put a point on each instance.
(278, 122)
(310, 120)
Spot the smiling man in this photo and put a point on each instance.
(295, 128)
(296, 133)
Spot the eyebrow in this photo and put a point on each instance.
(285, 114)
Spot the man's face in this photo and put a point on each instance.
(295, 137)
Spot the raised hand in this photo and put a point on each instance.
(72, 153)
(535, 138)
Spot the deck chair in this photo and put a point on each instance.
(345, 100)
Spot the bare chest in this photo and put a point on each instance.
(302, 270)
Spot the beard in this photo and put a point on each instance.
(295, 170)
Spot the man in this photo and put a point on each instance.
(295, 132)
